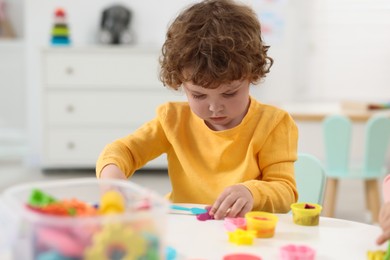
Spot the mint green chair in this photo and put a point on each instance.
(337, 130)
(310, 178)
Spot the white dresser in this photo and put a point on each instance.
(92, 96)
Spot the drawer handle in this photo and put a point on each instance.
(69, 70)
(70, 108)
(71, 145)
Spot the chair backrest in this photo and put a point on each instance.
(310, 178)
(337, 130)
(376, 145)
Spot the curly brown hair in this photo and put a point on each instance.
(214, 42)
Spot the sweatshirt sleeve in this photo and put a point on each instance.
(135, 150)
(276, 189)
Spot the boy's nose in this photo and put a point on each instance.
(215, 107)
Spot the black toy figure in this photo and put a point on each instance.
(115, 25)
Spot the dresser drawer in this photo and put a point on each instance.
(72, 148)
(108, 69)
(104, 108)
(94, 95)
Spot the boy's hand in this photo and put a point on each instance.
(233, 202)
(111, 171)
(384, 222)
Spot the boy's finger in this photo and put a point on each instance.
(383, 238)
(237, 207)
(215, 206)
(380, 240)
(224, 207)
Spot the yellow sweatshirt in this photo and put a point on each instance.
(259, 153)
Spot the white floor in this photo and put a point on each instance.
(350, 203)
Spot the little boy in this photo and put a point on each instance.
(224, 148)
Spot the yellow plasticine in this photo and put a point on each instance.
(112, 202)
(375, 255)
(118, 237)
(111, 210)
(242, 237)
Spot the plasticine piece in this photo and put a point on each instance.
(52, 255)
(72, 207)
(242, 237)
(153, 246)
(232, 224)
(79, 208)
(113, 237)
(43, 203)
(112, 202)
(55, 209)
(60, 241)
(375, 255)
(261, 218)
(39, 198)
(387, 253)
(241, 257)
(205, 216)
(308, 206)
(292, 252)
(170, 253)
(145, 204)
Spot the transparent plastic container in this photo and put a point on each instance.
(137, 233)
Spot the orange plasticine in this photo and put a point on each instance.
(71, 207)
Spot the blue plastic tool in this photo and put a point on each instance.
(195, 211)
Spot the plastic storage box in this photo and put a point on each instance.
(137, 233)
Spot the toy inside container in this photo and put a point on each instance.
(132, 228)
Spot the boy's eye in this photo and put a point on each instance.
(198, 96)
(229, 94)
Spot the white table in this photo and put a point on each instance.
(207, 240)
(332, 239)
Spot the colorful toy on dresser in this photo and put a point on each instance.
(126, 222)
(60, 31)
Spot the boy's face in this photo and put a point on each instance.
(221, 108)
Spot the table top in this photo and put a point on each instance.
(208, 240)
(331, 239)
(317, 111)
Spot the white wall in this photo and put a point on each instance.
(12, 86)
(349, 59)
(350, 53)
